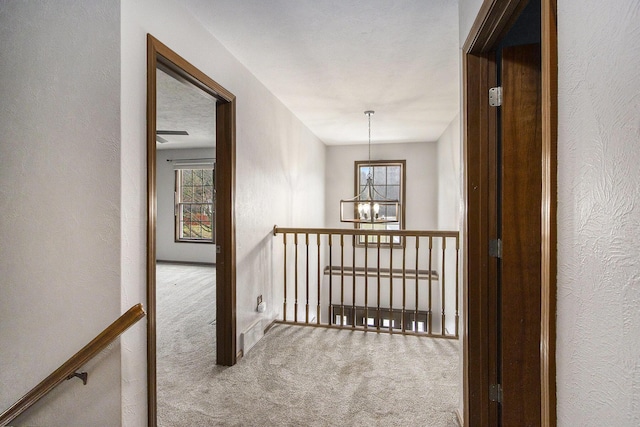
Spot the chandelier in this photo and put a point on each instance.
(369, 206)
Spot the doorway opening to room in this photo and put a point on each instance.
(190, 181)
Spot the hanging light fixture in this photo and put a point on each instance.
(369, 206)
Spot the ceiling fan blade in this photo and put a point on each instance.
(172, 132)
(160, 139)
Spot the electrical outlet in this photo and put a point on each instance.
(261, 307)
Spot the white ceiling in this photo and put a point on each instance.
(330, 60)
(181, 106)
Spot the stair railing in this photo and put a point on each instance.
(69, 368)
(394, 281)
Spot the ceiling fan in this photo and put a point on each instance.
(161, 140)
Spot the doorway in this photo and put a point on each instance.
(160, 56)
(494, 248)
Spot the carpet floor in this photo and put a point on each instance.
(295, 375)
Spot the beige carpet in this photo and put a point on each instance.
(298, 376)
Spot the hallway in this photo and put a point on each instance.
(297, 375)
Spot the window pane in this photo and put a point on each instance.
(197, 193)
(187, 176)
(380, 175)
(195, 219)
(187, 194)
(393, 192)
(364, 172)
(393, 175)
(381, 191)
(387, 184)
(197, 177)
(208, 177)
(186, 213)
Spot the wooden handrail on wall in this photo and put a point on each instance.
(69, 367)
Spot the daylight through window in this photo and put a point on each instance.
(389, 182)
(195, 205)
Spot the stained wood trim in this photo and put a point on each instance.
(225, 223)
(159, 54)
(187, 70)
(403, 188)
(152, 207)
(385, 273)
(74, 363)
(492, 21)
(479, 225)
(364, 232)
(521, 200)
(549, 206)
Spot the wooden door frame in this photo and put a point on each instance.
(158, 53)
(479, 136)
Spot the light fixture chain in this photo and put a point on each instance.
(369, 138)
(368, 205)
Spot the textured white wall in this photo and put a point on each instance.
(279, 176)
(60, 204)
(449, 196)
(598, 353)
(598, 317)
(467, 11)
(449, 178)
(167, 249)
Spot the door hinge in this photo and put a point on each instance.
(218, 249)
(495, 393)
(495, 248)
(495, 96)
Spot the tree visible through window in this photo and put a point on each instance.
(195, 205)
(388, 182)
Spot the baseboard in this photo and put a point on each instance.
(270, 325)
(205, 264)
(239, 356)
(460, 419)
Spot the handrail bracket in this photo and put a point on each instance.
(82, 375)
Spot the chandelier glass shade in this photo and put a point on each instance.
(369, 206)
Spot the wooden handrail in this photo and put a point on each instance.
(397, 273)
(69, 367)
(424, 299)
(364, 232)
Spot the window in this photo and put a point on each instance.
(195, 205)
(414, 321)
(389, 182)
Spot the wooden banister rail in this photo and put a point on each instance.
(363, 232)
(416, 291)
(69, 367)
(385, 273)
